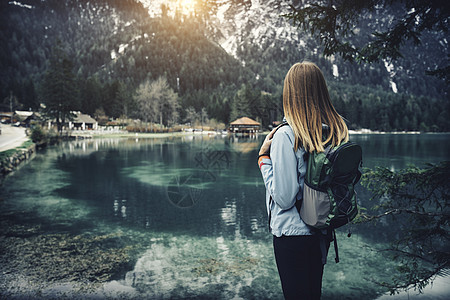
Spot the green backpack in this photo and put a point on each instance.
(329, 196)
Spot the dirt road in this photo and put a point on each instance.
(11, 137)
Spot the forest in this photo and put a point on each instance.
(110, 52)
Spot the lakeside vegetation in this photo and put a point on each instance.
(419, 196)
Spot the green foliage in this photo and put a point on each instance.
(59, 92)
(361, 93)
(38, 135)
(90, 94)
(5, 155)
(26, 144)
(251, 102)
(113, 56)
(334, 23)
(365, 107)
(243, 103)
(418, 201)
(157, 102)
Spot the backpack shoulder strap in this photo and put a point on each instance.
(281, 125)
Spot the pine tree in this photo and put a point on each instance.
(241, 106)
(59, 92)
(333, 22)
(418, 199)
(90, 95)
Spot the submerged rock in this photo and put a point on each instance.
(27, 252)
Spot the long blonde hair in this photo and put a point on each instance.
(307, 106)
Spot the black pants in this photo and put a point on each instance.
(299, 262)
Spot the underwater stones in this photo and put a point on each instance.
(47, 258)
(235, 267)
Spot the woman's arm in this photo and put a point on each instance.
(280, 170)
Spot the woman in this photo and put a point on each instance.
(307, 108)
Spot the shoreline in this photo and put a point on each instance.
(125, 134)
(16, 147)
(12, 159)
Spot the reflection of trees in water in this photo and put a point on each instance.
(228, 205)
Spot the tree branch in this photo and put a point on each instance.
(417, 283)
(397, 211)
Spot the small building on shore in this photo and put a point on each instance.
(80, 121)
(83, 122)
(244, 125)
(26, 117)
(6, 117)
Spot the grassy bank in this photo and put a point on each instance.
(12, 158)
(10, 152)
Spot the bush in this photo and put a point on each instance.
(38, 135)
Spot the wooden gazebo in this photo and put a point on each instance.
(244, 125)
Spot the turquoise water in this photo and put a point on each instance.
(196, 206)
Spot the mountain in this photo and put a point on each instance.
(255, 31)
(209, 55)
(267, 44)
(109, 41)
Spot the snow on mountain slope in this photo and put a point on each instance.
(257, 22)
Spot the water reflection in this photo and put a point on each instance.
(171, 184)
(228, 213)
(197, 205)
(397, 151)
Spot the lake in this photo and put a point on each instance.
(191, 211)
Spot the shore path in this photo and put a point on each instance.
(11, 137)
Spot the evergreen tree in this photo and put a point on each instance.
(128, 105)
(90, 95)
(59, 92)
(113, 99)
(418, 201)
(30, 99)
(244, 103)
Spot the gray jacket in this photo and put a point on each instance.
(283, 176)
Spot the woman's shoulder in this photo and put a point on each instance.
(284, 128)
(286, 131)
(286, 134)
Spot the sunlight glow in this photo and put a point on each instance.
(187, 6)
